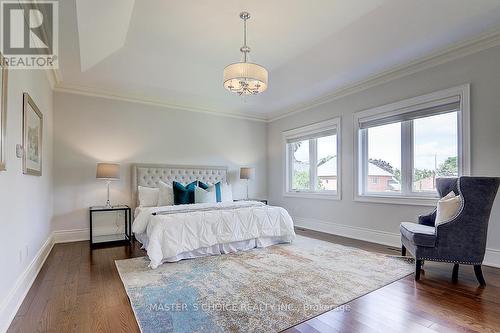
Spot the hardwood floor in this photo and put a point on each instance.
(79, 290)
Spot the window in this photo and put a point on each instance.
(403, 147)
(313, 160)
(435, 152)
(384, 156)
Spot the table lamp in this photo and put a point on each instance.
(247, 173)
(108, 172)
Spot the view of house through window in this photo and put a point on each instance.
(327, 163)
(432, 152)
(384, 158)
(314, 164)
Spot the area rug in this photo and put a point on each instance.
(262, 290)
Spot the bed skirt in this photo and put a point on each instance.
(218, 249)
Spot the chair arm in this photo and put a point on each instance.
(428, 219)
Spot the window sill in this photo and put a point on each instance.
(398, 200)
(313, 195)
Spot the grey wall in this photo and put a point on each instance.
(88, 130)
(481, 70)
(25, 201)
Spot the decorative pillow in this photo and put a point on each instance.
(223, 191)
(148, 196)
(226, 193)
(185, 194)
(447, 208)
(204, 196)
(449, 195)
(166, 195)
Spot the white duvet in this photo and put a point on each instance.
(177, 229)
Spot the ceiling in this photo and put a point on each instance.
(173, 52)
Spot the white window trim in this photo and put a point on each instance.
(425, 199)
(331, 124)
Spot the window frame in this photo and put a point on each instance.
(407, 195)
(333, 124)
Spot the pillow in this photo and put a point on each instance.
(226, 193)
(449, 195)
(148, 196)
(185, 194)
(204, 196)
(166, 195)
(447, 208)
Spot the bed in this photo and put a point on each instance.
(173, 233)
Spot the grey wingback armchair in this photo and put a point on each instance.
(461, 240)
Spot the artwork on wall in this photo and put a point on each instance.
(3, 110)
(32, 137)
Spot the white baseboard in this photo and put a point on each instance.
(74, 235)
(492, 257)
(365, 234)
(11, 304)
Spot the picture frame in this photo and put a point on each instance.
(32, 137)
(3, 110)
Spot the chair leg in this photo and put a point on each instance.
(418, 265)
(454, 276)
(479, 275)
(403, 250)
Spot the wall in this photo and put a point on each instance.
(380, 222)
(25, 201)
(89, 129)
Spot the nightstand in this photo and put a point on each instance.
(120, 238)
(264, 201)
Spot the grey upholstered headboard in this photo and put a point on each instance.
(149, 175)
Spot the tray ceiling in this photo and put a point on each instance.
(173, 52)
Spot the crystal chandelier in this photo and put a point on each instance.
(245, 78)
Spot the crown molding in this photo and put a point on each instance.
(95, 92)
(54, 77)
(453, 52)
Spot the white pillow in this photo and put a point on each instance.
(226, 192)
(205, 196)
(447, 208)
(449, 196)
(148, 196)
(166, 194)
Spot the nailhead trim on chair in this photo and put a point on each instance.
(452, 261)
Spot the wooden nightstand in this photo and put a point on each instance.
(264, 201)
(121, 238)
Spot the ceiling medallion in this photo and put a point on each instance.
(245, 78)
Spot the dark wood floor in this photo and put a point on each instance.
(79, 290)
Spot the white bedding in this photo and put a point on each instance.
(177, 230)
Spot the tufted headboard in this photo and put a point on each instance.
(149, 175)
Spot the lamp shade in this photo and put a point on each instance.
(247, 173)
(108, 171)
(245, 78)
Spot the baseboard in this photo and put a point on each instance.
(74, 235)
(11, 304)
(365, 234)
(492, 257)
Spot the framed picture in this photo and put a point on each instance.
(32, 137)
(3, 109)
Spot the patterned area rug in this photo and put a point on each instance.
(262, 290)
